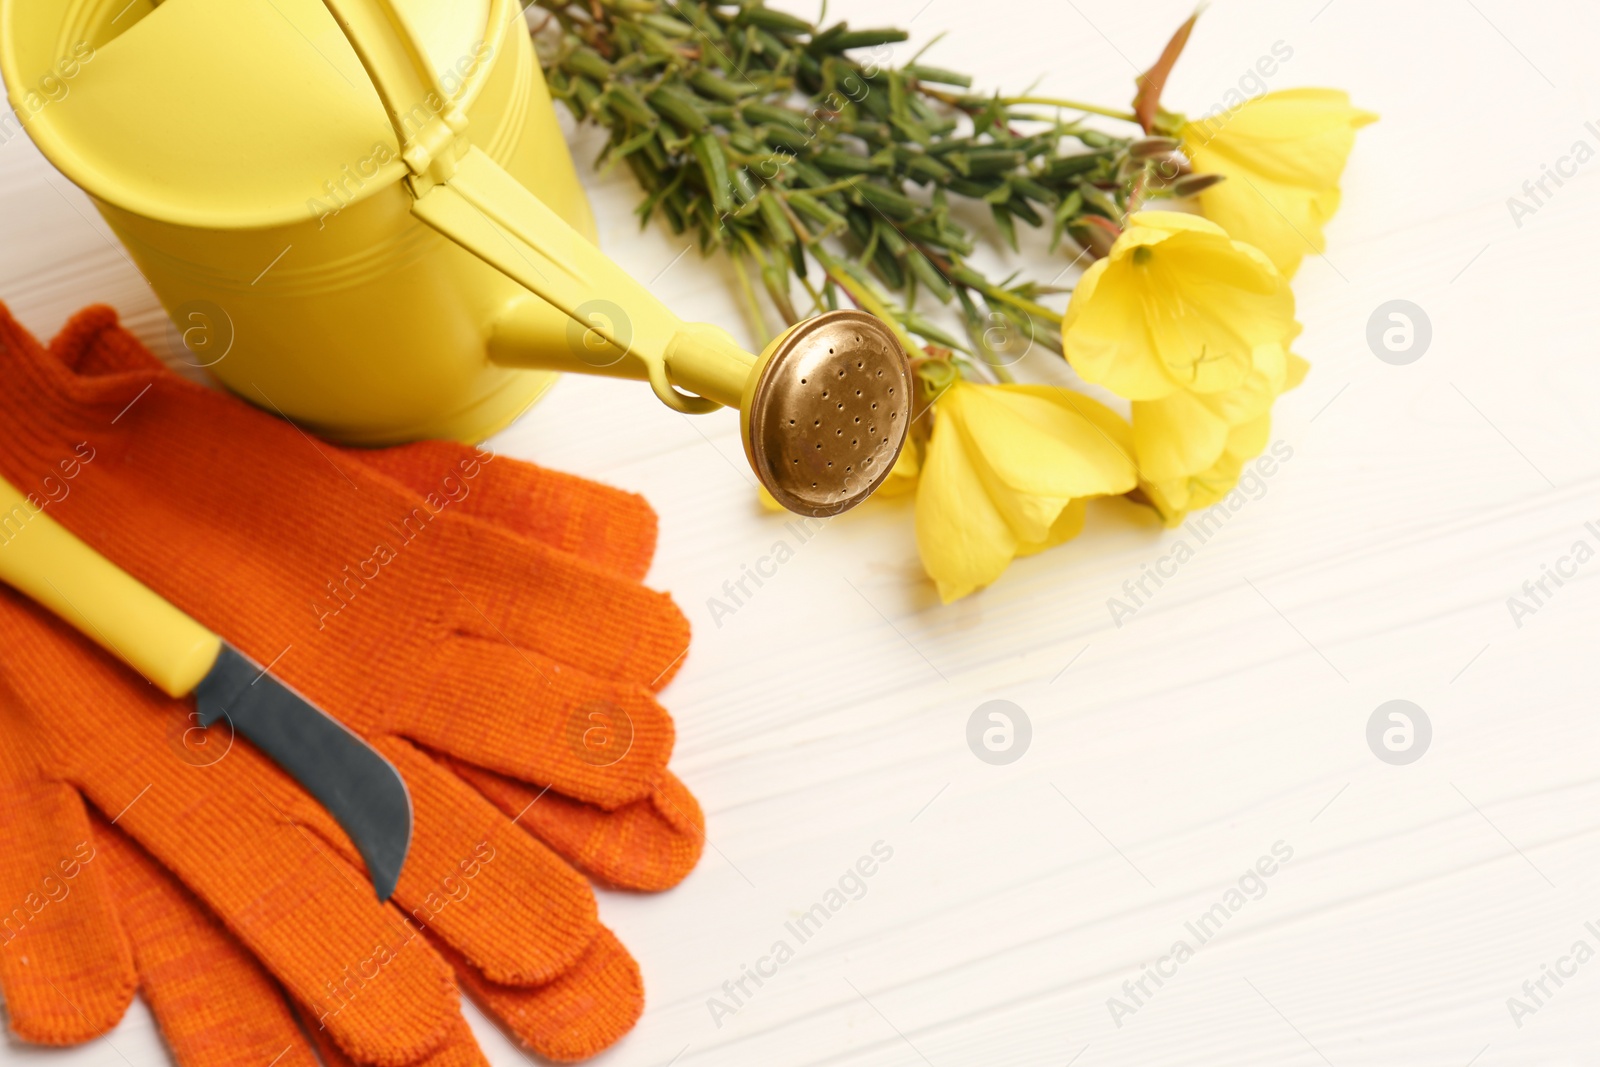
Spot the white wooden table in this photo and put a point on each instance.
(1229, 717)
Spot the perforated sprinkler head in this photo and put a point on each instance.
(827, 411)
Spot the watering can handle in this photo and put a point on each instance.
(406, 83)
(469, 198)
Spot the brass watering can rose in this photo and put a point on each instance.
(375, 195)
(827, 412)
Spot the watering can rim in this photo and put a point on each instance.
(103, 185)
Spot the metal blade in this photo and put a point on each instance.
(357, 786)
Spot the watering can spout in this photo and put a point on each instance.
(823, 410)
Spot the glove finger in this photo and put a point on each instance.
(216, 828)
(522, 714)
(597, 523)
(65, 965)
(649, 845)
(274, 885)
(500, 898)
(574, 612)
(215, 1005)
(580, 1014)
(94, 342)
(458, 1049)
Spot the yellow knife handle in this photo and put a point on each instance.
(40, 557)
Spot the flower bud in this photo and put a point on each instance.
(1195, 184)
(1152, 147)
(1095, 235)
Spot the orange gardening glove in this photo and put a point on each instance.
(214, 1004)
(647, 842)
(401, 617)
(377, 978)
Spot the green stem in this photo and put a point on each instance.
(1037, 310)
(1071, 105)
(752, 305)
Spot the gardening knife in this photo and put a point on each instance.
(358, 787)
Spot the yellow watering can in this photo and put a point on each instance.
(298, 175)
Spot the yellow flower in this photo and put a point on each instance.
(1282, 155)
(1194, 327)
(1006, 474)
(1202, 444)
(1177, 305)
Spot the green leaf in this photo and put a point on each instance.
(1008, 227)
(714, 165)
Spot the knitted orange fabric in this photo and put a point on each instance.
(215, 1005)
(610, 528)
(580, 546)
(399, 615)
(217, 1008)
(649, 844)
(237, 831)
(66, 968)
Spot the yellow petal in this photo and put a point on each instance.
(1108, 422)
(1282, 155)
(1038, 441)
(1177, 303)
(1284, 221)
(1295, 136)
(1294, 372)
(1208, 305)
(1170, 222)
(962, 538)
(1103, 336)
(1005, 473)
(1177, 436)
(1068, 524)
(902, 477)
(1176, 497)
